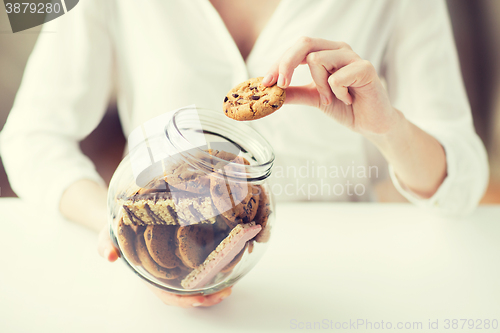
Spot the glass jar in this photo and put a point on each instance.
(189, 207)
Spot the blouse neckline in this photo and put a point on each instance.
(229, 44)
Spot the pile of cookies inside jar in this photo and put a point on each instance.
(191, 225)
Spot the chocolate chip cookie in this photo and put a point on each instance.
(161, 246)
(195, 244)
(229, 196)
(126, 239)
(250, 100)
(250, 205)
(230, 157)
(185, 178)
(262, 216)
(150, 265)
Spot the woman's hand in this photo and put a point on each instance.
(109, 252)
(348, 88)
(344, 86)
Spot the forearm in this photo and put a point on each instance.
(418, 159)
(84, 202)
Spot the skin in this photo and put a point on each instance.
(94, 196)
(344, 87)
(347, 88)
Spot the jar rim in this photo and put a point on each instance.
(250, 136)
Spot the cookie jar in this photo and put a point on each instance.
(189, 207)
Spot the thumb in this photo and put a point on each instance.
(304, 95)
(105, 246)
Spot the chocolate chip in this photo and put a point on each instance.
(255, 97)
(266, 101)
(236, 95)
(225, 99)
(274, 106)
(239, 100)
(252, 88)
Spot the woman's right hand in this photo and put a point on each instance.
(108, 251)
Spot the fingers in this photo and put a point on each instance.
(105, 246)
(217, 297)
(282, 71)
(177, 300)
(191, 301)
(304, 95)
(322, 64)
(355, 75)
(334, 68)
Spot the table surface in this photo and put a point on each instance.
(327, 264)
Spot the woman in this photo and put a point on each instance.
(168, 54)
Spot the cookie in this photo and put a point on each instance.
(250, 100)
(223, 254)
(186, 178)
(250, 205)
(138, 229)
(227, 156)
(220, 225)
(250, 246)
(195, 243)
(229, 195)
(156, 185)
(126, 239)
(231, 223)
(262, 217)
(161, 246)
(166, 208)
(150, 265)
(235, 261)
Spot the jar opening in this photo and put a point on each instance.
(195, 131)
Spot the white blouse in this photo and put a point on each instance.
(165, 54)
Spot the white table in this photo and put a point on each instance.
(327, 263)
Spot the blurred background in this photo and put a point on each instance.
(477, 33)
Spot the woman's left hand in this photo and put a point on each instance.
(344, 86)
(108, 251)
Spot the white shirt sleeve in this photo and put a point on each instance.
(62, 98)
(424, 82)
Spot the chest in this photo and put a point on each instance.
(245, 20)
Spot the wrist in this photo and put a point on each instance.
(397, 129)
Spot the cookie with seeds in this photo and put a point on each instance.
(250, 100)
(235, 261)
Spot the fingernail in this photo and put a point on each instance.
(323, 99)
(267, 79)
(197, 304)
(281, 81)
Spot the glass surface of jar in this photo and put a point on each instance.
(189, 207)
